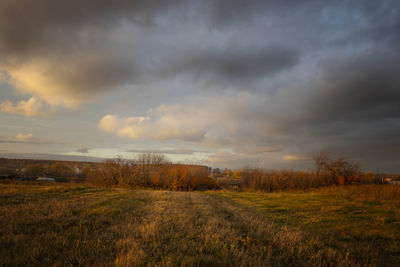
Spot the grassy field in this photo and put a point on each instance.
(63, 224)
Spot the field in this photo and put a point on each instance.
(66, 224)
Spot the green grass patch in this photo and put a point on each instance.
(345, 219)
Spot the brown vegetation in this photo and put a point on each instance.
(76, 225)
(152, 171)
(327, 172)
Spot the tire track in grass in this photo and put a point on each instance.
(195, 229)
(267, 245)
(125, 227)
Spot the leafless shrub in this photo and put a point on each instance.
(150, 170)
(338, 171)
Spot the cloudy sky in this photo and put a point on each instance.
(216, 82)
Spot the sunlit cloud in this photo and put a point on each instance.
(39, 79)
(258, 149)
(30, 108)
(130, 127)
(23, 138)
(296, 158)
(174, 151)
(164, 128)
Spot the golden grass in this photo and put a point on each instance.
(362, 222)
(62, 225)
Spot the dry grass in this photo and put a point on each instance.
(78, 225)
(362, 222)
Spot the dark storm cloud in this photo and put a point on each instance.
(382, 22)
(225, 12)
(95, 72)
(30, 25)
(76, 34)
(175, 151)
(50, 29)
(235, 63)
(373, 143)
(351, 108)
(27, 26)
(67, 45)
(363, 86)
(44, 24)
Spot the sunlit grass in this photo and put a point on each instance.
(63, 224)
(363, 221)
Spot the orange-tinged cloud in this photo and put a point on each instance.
(24, 137)
(29, 108)
(295, 157)
(21, 138)
(131, 127)
(36, 79)
(163, 128)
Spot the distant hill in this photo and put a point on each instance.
(50, 157)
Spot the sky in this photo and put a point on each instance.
(221, 83)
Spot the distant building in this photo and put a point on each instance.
(387, 180)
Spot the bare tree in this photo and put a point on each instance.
(321, 161)
(337, 171)
(150, 165)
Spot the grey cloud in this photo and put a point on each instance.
(224, 12)
(364, 86)
(30, 25)
(94, 73)
(83, 150)
(71, 46)
(45, 24)
(33, 140)
(257, 149)
(374, 144)
(383, 22)
(233, 63)
(350, 109)
(50, 157)
(68, 45)
(52, 29)
(176, 151)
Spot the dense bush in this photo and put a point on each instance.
(150, 171)
(33, 170)
(327, 172)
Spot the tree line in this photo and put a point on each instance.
(327, 172)
(152, 170)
